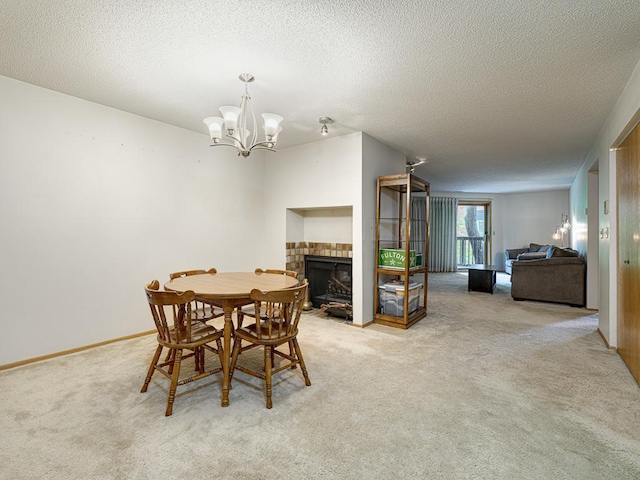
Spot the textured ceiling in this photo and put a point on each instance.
(498, 95)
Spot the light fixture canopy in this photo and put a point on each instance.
(240, 127)
(324, 131)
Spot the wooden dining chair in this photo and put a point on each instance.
(177, 332)
(249, 308)
(199, 309)
(276, 325)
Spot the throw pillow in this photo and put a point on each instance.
(531, 256)
(544, 248)
(564, 252)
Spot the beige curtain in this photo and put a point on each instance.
(442, 238)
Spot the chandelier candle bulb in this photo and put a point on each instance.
(230, 115)
(271, 125)
(215, 128)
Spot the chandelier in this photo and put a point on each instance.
(562, 229)
(240, 127)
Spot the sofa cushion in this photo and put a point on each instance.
(531, 256)
(536, 247)
(561, 252)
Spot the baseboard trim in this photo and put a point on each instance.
(606, 343)
(363, 325)
(73, 350)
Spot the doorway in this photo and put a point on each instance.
(473, 233)
(628, 197)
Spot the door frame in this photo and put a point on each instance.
(488, 246)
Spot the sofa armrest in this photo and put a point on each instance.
(512, 253)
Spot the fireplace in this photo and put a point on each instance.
(330, 284)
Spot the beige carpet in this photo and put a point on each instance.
(484, 387)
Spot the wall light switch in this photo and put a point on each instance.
(606, 207)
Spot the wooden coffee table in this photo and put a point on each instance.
(482, 278)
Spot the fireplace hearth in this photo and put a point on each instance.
(330, 284)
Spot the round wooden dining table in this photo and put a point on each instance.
(229, 290)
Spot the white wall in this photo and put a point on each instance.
(593, 241)
(584, 230)
(377, 159)
(95, 203)
(533, 217)
(622, 119)
(316, 175)
(332, 225)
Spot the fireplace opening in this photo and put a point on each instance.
(330, 284)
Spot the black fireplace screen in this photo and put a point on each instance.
(329, 284)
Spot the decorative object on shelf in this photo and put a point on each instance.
(324, 121)
(240, 126)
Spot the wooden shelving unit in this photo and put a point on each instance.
(401, 232)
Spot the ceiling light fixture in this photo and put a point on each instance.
(412, 164)
(235, 122)
(324, 131)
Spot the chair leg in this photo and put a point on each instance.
(201, 359)
(220, 350)
(174, 382)
(171, 356)
(196, 360)
(240, 317)
(152, 368)
(268, 352)
(234, 357)
(301, 360)
(292, 352)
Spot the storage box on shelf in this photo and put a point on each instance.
(396, 258)
(392, 298)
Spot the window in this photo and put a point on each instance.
(473, 227)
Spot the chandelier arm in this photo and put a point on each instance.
(258, 146)
(227, 145)
(265, 144)
(254, 130)
(237, 142)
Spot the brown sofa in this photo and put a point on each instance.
(559, 278)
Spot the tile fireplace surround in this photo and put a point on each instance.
(297, 250)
